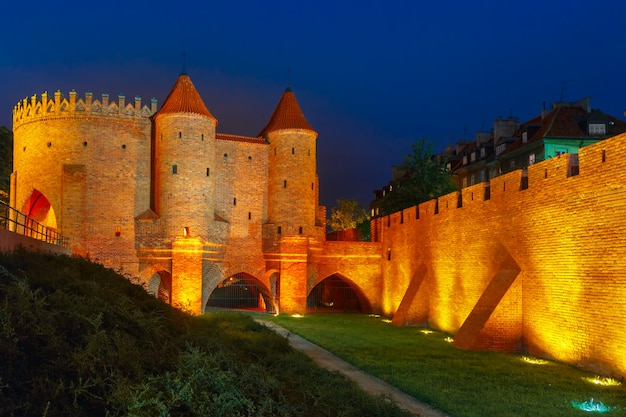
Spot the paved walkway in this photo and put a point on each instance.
(368, 382)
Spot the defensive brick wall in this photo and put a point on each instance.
(85, 156)
(530, 262)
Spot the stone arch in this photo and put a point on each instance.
(157, 282)
(336, 293)
(38, 208)
(242, 291)
(212, 275)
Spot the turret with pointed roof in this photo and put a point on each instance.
(184, 147)
(287, 115)
(292, 169)
(184, 98)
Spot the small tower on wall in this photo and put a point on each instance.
(292, 174)
(292, 198)
(183, 189)
(184, 154)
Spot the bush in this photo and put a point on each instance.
(77, 339)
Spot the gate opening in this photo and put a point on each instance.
(334, 294)
(241, 292)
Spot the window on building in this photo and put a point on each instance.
(284, 183)
(174, 169)
(464, 182)
(180, 135)
(500, 149)
(483, 152)
(531, 159)
(472, 180)
(280, 230)
(473, 156)
(300, 230)
(524, 137)
(464, 159)
(597, 129)
(208, 172)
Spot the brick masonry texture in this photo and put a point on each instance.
(538, 269)
(556, 250)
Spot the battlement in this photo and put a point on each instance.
(596, 165)
(37, 108)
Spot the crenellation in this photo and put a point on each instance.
(34, 107)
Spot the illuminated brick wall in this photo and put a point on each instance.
(538, 268)
(83, 156)
(292, 192)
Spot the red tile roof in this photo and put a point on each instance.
(287, 115)
(565, 122)
(184, 98)
(239, 138)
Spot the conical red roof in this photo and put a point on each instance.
(184, 98)
(287, 115)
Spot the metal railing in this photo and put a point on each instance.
(18, 222)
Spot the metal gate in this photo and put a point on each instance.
(241, 292)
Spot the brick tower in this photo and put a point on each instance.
(183, 187)
(292, 196)
(184, 153)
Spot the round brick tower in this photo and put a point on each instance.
(292, 194)
(78, 168)
(184, 162)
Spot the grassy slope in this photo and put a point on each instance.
(461, 383)
(79, 340)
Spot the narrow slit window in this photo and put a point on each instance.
(300, 230)
(234, 201)
(284, 183)
(603, 155)
(208, 172)
(293, 151)
(249, 215)
(174, 169)
(180, 135)
(280, 229)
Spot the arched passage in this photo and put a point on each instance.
(161, 284)
(335, 294)
(242, 292)
(37, 207)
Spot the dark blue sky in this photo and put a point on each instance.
(371, 76)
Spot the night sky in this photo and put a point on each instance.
(370, 76)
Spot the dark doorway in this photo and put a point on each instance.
(336, 295)
(241, 292)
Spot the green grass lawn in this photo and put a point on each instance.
(458, 382)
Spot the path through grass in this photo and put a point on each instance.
(460, 383)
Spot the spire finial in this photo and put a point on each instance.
(184, 63)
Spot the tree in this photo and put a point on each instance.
(347, 215)
(6, 162)
(422, 176)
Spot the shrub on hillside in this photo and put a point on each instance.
(77, 339)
